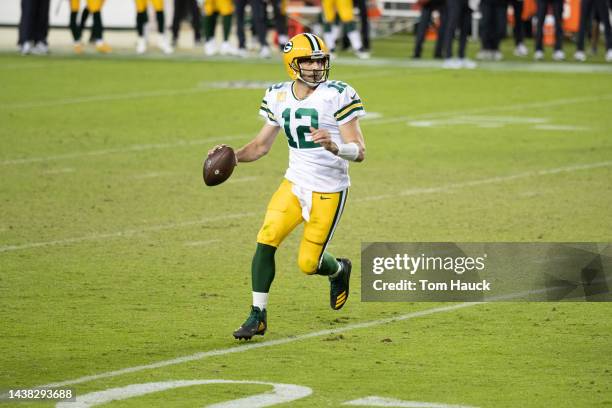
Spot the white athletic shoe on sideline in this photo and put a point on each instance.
(521, 50)
(26, 48)
(252, 45)
(40, 48)
(210, 48)
(452, 63)
(242, 53)
(467, 63)
(580, 56)
(609, 55)
(141, 45)
(265, 52)
(497, 56)
(164, 45)
(538, 55)
(559, 55)
(227, 49)
(484, 55)
(362, 54)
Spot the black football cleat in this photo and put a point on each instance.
(339, 286)
(255, 324)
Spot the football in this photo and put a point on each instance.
(219, 165)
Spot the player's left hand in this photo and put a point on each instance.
(322, 137)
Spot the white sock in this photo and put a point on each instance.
(355, 39)
(335, 30)
(330, 40)
(260, 300)
(337, 272)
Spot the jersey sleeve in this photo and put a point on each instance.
(266, 109)
(349, 106)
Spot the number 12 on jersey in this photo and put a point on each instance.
(297, 136)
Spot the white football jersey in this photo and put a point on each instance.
(332, 104)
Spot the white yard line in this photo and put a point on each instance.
(252, 346)
(120, 234)
(242, 179)
(58, 171)
(105, 98)
(504, 108)
(201, 243)
(509, 66)
(44, 65)
(492, 180)
(373, 121)
(410, 192)
(121, 150)
(374, 401)
(153, 174)
(562, 128)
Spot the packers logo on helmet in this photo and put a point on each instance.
(302, 48)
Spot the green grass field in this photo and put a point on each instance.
(114, 255)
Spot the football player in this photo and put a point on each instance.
(93, 7)
(344, 10)
(141, 21)
(212, 9)
(320, 119)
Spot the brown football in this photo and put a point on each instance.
(219, 165)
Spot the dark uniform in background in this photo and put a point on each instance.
(279, 9)
(258, 8)
(427, 9)
(181, 9)
(557, 8)
(586, 13)
(362, 6)
(459, 16)
(34, 27)
(493, 26)
(518, 31)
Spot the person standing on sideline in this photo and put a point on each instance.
(493, 28)
(258, 8)
(557, 8)
(94, 8)
(213, 9)
(362, 7)
(586, 13)
(459, 15)
(344, 10)
(427, 9)
(34, 27)
(181, 7)
(279, 9)
(141, 21)
(518, 31)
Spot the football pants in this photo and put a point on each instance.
(284, 213)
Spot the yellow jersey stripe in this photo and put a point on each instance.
(348, 106)
(343, 112)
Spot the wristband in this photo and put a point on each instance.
(348, 151)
